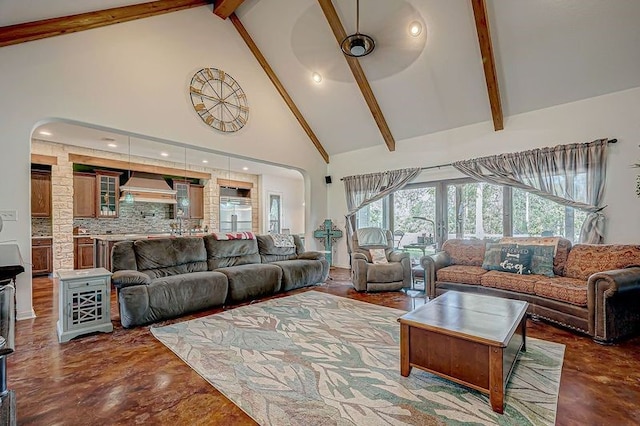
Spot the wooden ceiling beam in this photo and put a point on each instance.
(278, 85)
(224, 8)
(358, 74)
(29, 31)
(488, 62)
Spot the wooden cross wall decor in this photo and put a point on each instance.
(328, 233)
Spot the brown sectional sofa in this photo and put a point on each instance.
(595, 289)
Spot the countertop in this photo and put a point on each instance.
(41, 237)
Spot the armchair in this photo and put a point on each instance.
(367, 276)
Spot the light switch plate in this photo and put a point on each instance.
(9, 215)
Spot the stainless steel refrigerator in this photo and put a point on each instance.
(235, 214)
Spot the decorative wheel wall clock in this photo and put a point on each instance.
(219, 100)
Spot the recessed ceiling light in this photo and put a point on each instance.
(415, 28)
(205, 161)
(245, 168)
(44, 133)
(112, 145)
(164, 154)
(317, 78)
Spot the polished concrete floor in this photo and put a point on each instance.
(128, 377)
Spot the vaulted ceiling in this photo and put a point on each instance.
(545, 52)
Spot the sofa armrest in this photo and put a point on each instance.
(612, 298)
(128, 278)
(359, 256)
(359, 265)
(311, 255)
(397, 256)
(431, 264)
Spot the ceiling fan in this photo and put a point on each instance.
(389, 22)
(357, 45)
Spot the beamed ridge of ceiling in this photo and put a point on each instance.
(225, 9)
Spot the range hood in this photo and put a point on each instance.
(148, 189)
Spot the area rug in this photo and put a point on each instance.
(318, 359)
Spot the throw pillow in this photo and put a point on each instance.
(378, 256)
(541, 259)
(516, 260)
(492, 255)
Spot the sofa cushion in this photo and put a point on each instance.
(510, 281)
(541, 259)
(465, 252)
(170, 256)
(570, 290)
(270, 253)
(562, 248)
(587, 259)
(385, 272)
(225, 253)
(171, 296)
(252, 281)
(301, 273)
(461, 274)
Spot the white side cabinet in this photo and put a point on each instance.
(85, 303)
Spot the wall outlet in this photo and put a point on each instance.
(9, 215)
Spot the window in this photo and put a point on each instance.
(464, 208)
(371, 215)
(475, 210)
(275, 213)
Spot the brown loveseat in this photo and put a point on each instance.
(595, 289)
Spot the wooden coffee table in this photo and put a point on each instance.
(467, 338)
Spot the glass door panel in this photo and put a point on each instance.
(475, 210)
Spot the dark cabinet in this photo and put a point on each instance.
(41, 256)
(84, 195)
(40, 194)
(83, 253)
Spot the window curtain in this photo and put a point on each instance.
(362, 190)
(552, 173)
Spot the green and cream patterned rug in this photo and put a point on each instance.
(318, 359)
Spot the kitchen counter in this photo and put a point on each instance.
(122, 237)
(40, 237)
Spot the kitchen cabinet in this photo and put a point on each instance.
(83, 253)
(195, 194)
(84, 195)
(41, 256)
(40, 193)
(108, 194)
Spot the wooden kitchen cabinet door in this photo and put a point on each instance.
(40, 194)
(41, 256)
(83, 253)
(84, 195)
(196, 195)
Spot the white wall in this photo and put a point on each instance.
(614, 115)
(134, 77)
(291, 193)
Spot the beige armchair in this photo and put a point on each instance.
(367, 276)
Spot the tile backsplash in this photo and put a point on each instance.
(136, 218)
(41, 227)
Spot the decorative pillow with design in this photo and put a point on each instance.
(516, 260)
(493, 256)
(541, 259)
(378, 256)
